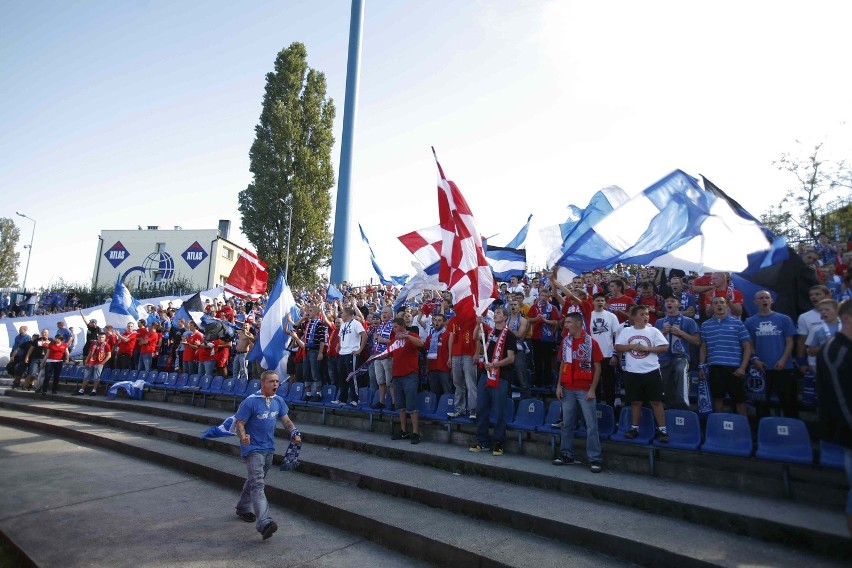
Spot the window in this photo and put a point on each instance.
(228, 253)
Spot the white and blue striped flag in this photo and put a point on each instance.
(269, 349)
(226, 428)
(133, 389)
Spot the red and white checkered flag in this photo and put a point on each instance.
(464, 268)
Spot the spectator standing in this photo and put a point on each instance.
(724, 356)
(99, 353)
(438, 356)
(57, 354)
(405, 368)
(680, 331)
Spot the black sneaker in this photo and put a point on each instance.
(633, 433)
(453, 414)
(662, 436)
(269, 530)
(93, 393)
(400, 435)
(563, 460)
(415, 438)
(596, 467)
(247, 517)
(378, 406)
(498, 449)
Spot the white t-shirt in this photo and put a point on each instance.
(350, 337)
(635, 362)
(604, 330)
(806, 323)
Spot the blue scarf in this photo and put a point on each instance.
(433, 343)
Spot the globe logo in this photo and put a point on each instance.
(158, 266)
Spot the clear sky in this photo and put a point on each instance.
(118, 114)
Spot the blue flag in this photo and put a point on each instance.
(123, 303)
(521, 237)
(191, 310)
(270, 348)
(226, 428)
(506, 262)
(332, 293)
(398, 280)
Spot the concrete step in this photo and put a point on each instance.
(77, 505)
(808, 529)
(808, 485)
(431, 535)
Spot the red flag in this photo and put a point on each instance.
(248, 277)
(463, 267)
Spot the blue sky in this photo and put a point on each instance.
(118, 114)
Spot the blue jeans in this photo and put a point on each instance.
(311, 370)
(240, 370)
(488, 397)
(144, 362)
(207, 367)
(570, 400)
(253, 496)
(190, 367)
(464, 379)
(674, 372)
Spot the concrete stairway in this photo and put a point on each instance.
(439, 503)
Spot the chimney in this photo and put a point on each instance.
(224, 228)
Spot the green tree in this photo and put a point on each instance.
(291, 162)
(803, 204)
(9, 259)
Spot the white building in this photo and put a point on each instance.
(146, 256)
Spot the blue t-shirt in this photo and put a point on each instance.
(678, 347)
(260, 421)
(724, 340)
(65, 333)
(768, 336)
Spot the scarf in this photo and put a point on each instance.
(310, 331)
(98, 353)
(435, 338)
(583, 354)
(675, 344)
(493, 380)
(383, 331)
(547, 332)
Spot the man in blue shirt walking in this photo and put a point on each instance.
(255, 426)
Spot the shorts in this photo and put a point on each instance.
(92, 372)
(383, 369)
(640, 387)
(722, 380)
(405, 392)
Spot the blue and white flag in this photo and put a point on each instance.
(521, 237)
(191, 310)
(332, 293)
(124, 304)
(269, 349)
(226, 428)
(506, 262)
(134, 389)
(562, 239)
(417, 284)
(393, 280)
(674, 223)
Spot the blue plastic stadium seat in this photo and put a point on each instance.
(443, 406)
(106, 375)
(727, 434)
(784, 440)
(646, 427)
(528, 418)
(427, 402)
(296, 393)
(684, 430)
(830, 455)
(283, 389)
(606, 420)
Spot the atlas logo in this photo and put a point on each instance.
(117, 254)
(194, 255)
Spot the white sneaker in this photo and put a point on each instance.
(336, 402)
(353, 403)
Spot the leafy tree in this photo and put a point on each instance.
(9, 261)
(291, 161)
(804, 204)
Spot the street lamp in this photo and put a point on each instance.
(289, 203)
(30, 248)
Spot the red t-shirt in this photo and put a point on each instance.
(405, 359)
(56, 352)
(463, 340)
(204, 353)
(98, 353)
(223, 352)
(706, 298)
(571, 375)
(621, 303)
(538, 327)
(126, 347)
(654, 303)
(189, 350)
(151, 346)
(332, 348)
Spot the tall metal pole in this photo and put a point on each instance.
(340, 246)
(289, 205)
(30, 247)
